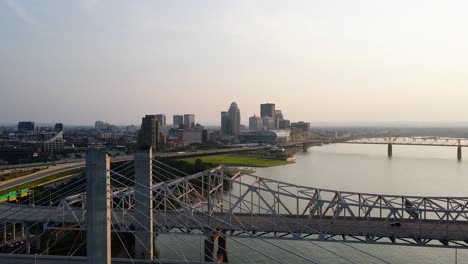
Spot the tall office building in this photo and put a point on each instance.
(225, 124)
(230, 120)
(189, 120)
(234, 119)
(278, 117)
(26, 127)
(177, 120)
(268, 123)
(255, 123)
(149, 133)
(268, 110)
(162, 119)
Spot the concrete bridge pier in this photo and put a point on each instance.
(389, 150)
(305, 146)
(144, 241)
(222, 248)
(459, 153)
(98, 207)
(209, 248)
(210, 242)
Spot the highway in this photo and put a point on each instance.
(64, 165)
(52, 170)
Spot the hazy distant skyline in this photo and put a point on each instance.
(319, 61)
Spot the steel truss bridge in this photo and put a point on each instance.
(146, 198)
(412, 141)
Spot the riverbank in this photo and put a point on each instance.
(238, 160)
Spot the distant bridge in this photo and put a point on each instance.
(412, 141)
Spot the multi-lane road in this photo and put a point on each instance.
(56, 168)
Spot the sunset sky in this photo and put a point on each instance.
(319, 61)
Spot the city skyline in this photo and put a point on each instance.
(329, 61)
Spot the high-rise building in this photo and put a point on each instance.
(58, 127)
(234, 119)
(278, 117)
(225, 124)
(230, 120)
(268, 123)
(189, 121)
(177, 120)
(255, 123)
(268, 109)
(149, 133)
(162, 119)
(26, 127)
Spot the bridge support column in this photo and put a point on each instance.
(222, 248)
(459, 153)
(209, 248)
(305, 147)
(389, 150)
(144, 240)
(98, 207)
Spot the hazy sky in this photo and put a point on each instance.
(333, 61)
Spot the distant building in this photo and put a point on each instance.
(55, 144)
(284, 124)
(230, 121)
(149, 133)
(101, 125)
(278, 117)
(26, 127)
(268, 123)
(255, 123)
(304, 126)
(204, 136)
(266, 136)
(268, 109)
(189, 121)
(177, 120)
(234, 119)
(162, 119)
(225, 124)
(192, 137)
(58, 127)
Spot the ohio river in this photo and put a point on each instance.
(413, 170)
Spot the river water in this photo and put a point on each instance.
(413, 170)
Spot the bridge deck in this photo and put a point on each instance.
(300, 225)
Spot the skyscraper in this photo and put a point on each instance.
(278, 117)
(162, 119)
(189, 120)
(225, 124)
(177, 120)
(268, 109)
(149, 133)
(234, 119)
(255, 123)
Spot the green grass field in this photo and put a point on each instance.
(236, 160)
